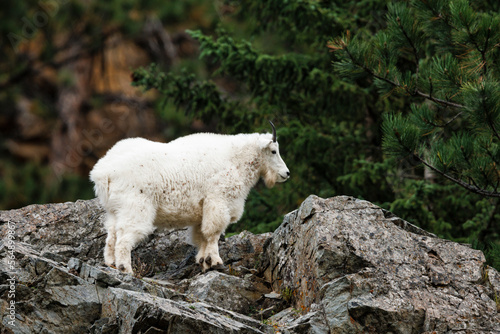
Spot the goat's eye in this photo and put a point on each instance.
(273, 152)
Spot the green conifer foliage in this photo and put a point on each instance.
(445, 55)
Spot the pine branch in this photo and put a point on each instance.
(439, 15)
(472, 188)
(471, 180)
(494, 129)
(485, 176)
(395, 84)
(415, 52)
(447, 123)
(469, 187)
(490, 122)
(482, 52)
(440, 101)
(492, 157)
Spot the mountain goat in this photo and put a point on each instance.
(200, 181)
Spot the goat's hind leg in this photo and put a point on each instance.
(109, 248)
(125, 243)
(134, 225)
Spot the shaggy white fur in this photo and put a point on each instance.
(200, 181)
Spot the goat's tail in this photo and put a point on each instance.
(101, 185)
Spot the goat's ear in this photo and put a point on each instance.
(263, 143)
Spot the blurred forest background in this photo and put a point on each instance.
(360, 116)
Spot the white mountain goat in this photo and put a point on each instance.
(201, 181)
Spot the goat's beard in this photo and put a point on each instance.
(270, 178)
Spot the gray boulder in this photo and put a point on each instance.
(227, 291)
(369, 271)
(337, 265)
(64, 229)
(143, 313)
(48, 298)
(53, 297)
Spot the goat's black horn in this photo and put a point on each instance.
(274, 131)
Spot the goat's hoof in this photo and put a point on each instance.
(201, 261)
(208, 261)
(121, 267)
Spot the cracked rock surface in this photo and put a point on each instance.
(337, 265)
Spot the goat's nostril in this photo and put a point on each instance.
(287, 173)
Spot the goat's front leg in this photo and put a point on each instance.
(200, 242)
(212, 258)
(215, 220)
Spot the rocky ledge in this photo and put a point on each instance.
(337, 265)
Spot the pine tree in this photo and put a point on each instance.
(446, 56)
